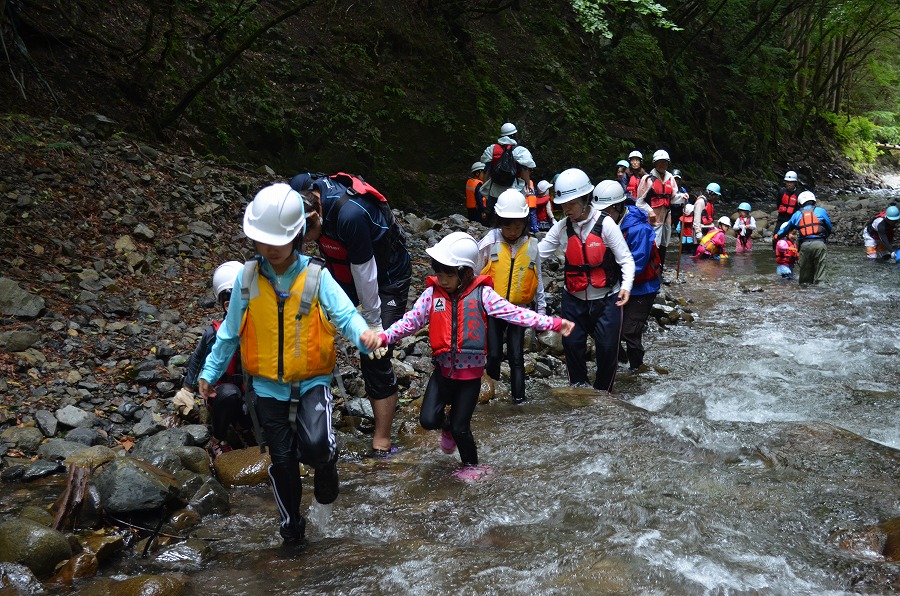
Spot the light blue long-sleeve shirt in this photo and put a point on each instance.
(338, 307)
(794, 223)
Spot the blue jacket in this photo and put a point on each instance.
(794, 223)
(640, 238)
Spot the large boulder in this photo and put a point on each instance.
(16, 302)
(34, 545)
(243, 467)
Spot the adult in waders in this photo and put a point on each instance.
(786, 200)
(364, 248)
(814, 226)
(599, 273)
(284, 311)
(654, 197)
(508, 164)
(609, 198)
(511, 260)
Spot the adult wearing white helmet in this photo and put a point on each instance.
(226, 411)
(640, 237)
(364, 248)
(510, 257)
(456, 306)
(814, 227)
(633, 175)
(654, 197)
(283, 313)
(705, 210)
(474, 198)
(878, 234)
(599, 274)
(508, 164)
(786, 200)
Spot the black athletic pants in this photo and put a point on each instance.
(461, 396)
(514, 336)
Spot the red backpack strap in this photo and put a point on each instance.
(358, 185)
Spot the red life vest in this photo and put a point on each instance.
(809, 224)
(471, 196)
(873, 231)
(589, 262)
(661, 192)
(541, 206)
(233, 374)
(709, 211)
(687, 225)
(458, 325)
(785, 255)
(653, 267)
(787, 203)
(633, 181)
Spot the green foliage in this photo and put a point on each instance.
(593, 15)
(856, 136)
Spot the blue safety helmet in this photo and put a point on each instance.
(892, 213)
(744, 207)
(714, 187)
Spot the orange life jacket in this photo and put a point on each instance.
(787, 203)
(809, 224)
(540, 204)
(589, 262)
(458, 325)
(661, 192)
(633, 182)
(530, 197)
(709, 211)
(471, 195)
(785, 255)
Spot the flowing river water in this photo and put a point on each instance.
(723, 470)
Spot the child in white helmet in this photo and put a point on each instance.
(712, 245)
(456, 305)
(227, 411)
(285, 309)
(743, 227)
(512, 261)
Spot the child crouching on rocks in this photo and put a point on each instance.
(227, 411)
(457, 304)
(285, 308)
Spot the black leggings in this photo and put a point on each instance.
(514, 336)
(461, 396)
(227, 409)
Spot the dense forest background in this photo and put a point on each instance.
(409, 92)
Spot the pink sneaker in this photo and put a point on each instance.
(448, 443)
(473, 473)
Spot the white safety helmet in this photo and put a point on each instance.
(543, 186)
(275, 215)
(508, 129)
(606, 193)
(725, 220)
(572, 184)
(790, 176)
(476, 167)
(511, 204)
(636, 154)
(689, 208)
(806, 197)
(456, 249)
(660, 154)
(224, 276)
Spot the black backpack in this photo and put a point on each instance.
(504, 167)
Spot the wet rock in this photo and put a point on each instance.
(128, 484)
(86, 436)
(37, 514)
(41, 468)
(190, 555)
(358, 406)
(141, 585)
(18, 340)
(147, 426)
(211, 498)
(25, 438)
(16, 302)
(36, 546)
(195, 459)
(91, 457)
(166, 461)
(78, 567)
(891, 529)
(243, 467)
(73, 416)
(19, 579)
(199, 433)
(166, 441)
(103, 547)
(182, 520)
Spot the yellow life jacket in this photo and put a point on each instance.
(514, 279)
(285, 337)
(707, 243)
